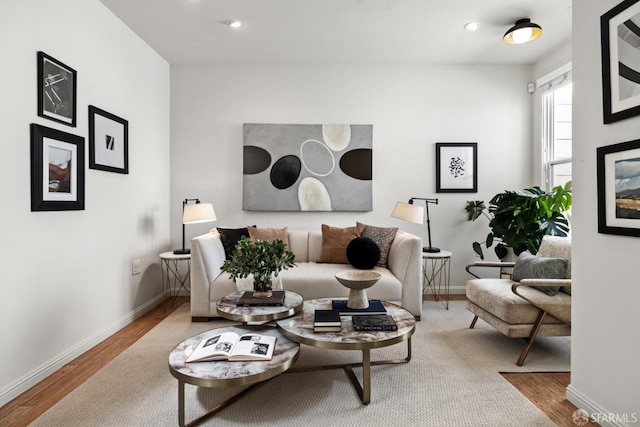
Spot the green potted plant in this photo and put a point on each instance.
(519, 219)
(263, 259)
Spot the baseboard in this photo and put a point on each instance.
(23, 384)
(597, 413)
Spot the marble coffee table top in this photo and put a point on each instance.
(299, 328)
(221, 373)
(227, 308)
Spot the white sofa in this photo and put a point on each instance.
(401, 282)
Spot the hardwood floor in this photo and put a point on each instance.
(545, 390)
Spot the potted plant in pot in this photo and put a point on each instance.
(519, 219)
(263, 259)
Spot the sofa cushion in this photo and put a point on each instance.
(534, 267)
(383, 236)
(335, 241)
(269, 234)
(363, 253)
(230, 238)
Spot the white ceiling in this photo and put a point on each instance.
(343, 31)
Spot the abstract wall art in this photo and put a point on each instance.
(456, 167)
(296, 167)
(620, 42)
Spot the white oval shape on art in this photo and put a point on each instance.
(313, 195)
(306, 166)
(337, 137)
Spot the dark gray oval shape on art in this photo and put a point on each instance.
(255, 160)
(285, 172)
(357, 164)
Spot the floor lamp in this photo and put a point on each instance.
(412, 213)
(192, 214)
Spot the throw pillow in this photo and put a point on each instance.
(383, 237)
(534, 267)
(363, 253)
(335, 241)
(269, 234)
(230, 238)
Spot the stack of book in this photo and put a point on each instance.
(327, 321)
(375, 307)
(376, 322)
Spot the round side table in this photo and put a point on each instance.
(171, 269)
(436, 271)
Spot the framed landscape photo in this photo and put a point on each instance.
(620, 44)
(618, 168)
(57, 170)
(108, 141)
(456, 167)
(56, 90)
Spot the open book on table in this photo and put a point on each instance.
(234, 347)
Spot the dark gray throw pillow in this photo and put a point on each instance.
(534, 267)
(230, 238)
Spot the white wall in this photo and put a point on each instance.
(410, 107)
(605, 375)
(66, 276)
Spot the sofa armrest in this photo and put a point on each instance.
(207, 256)
(502, 265)
(405, 262)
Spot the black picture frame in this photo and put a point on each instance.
(456, 167)
(57, 85)
(618, 171)
(108, 141)
(57, 170)
(620, 81)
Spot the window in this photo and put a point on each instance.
(556, 130)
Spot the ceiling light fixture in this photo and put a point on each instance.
(524, 31)
(234, 23)
(471, 26)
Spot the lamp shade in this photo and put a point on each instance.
(408, 212)
(524, 31)
(198, 212)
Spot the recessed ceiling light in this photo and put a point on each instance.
(471, 26)
(234, 23)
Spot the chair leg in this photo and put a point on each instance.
(473, 322)
(532, 336)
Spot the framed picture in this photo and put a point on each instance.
(456, 167)
(57, 170)
(620, 37)
(108, 141)
(618, 169)
(56, 90)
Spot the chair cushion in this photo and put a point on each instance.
(269, 234)
(495, 296)
(230, 238)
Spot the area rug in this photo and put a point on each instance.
(453, 379)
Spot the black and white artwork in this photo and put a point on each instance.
(456, 167)
(56, 90)
(620, 38)
(108, 141)
(297, 167)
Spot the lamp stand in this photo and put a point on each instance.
(429, 249)
(184, 251)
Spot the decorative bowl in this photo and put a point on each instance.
(357, 281)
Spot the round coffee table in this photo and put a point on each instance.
(299, 328)
(228, 374)
(227, 308)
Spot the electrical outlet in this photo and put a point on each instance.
(135, 267)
